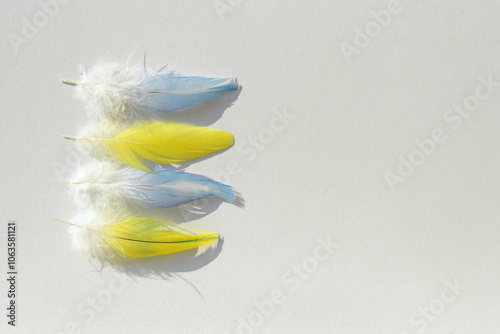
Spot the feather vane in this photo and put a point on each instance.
(157, 142)
(101, 185)
(122, 92)
(136, 237)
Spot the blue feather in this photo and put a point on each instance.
(170, 92)
(121, 92)
(170, 187)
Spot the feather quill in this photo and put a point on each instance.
(101, 185)
(150, 142)
(133, 237)
(121, 92)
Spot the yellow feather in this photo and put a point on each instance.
(143, 237)
(162, 143)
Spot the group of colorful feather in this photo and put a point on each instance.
(131, 148)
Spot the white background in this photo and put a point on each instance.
(321, 176)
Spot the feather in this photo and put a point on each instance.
(150, 142)
(133, 237)
(121, 92)
(101, 185)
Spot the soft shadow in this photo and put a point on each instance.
(167, 266)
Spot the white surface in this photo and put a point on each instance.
(321, 176)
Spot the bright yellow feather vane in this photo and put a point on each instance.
(143, 237)
(166, 143)
(158, 142)
(135, 237)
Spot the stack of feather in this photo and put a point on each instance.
(131, 146)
